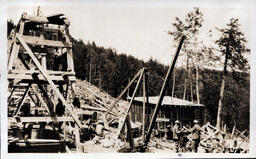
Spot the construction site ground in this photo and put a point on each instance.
(93, 96)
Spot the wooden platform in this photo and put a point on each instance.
(38, 119)
(27, 75)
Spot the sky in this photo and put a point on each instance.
(136, 30)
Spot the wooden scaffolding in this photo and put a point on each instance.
(41, 77)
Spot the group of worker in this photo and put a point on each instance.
(194, 135)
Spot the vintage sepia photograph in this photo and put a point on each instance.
(128, 79)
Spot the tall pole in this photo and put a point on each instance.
(144, 105)
(173, 83)
(163, 90)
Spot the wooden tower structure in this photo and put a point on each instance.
(41, 85)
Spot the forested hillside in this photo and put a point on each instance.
(110, 71)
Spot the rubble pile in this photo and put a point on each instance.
(90, 95)
(217, 141)
(95, 100)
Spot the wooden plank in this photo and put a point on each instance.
(33, 40)
(38, 19)
(85, 106)
(39, 119)
(50, 72)
(85, 112)
(41, 77)
(43, 71)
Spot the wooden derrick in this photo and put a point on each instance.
(28, 64)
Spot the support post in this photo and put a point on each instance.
(121, 124)
(122, 93)
(129, 131)
(163, 90)
(43, 61)
(144, 106)
(16, 48)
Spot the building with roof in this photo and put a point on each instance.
(172, 109)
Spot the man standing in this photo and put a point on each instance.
(195, 135)
(76, 102)
(176, 134)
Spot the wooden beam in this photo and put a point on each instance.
(129, 131)
(33, 40)
(70, 62)
(39, 119)
(22, 100)
(85, 106)
(13, 56)
(45, 74)
(144, 106)
(39, 96)
(43, 61)
(41, 77)
(9, 98)
(163, 90)
(50, 104)
(16, 47)
(122, 93)
(121, 121)
(30, 72)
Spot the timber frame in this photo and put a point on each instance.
(30, 46)
(125, 119)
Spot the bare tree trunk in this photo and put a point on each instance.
(197, 84)
(185, 85)
(90, 73)
(219, 114)
(191, 84)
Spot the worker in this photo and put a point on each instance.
(57, 59)
(176, 134)
(25, 109)
(195, 135)
(76, 102)
(60, 109)
(63, 59)
(100, 128)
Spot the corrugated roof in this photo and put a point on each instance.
(168, 101)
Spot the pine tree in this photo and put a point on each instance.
(232, 45)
